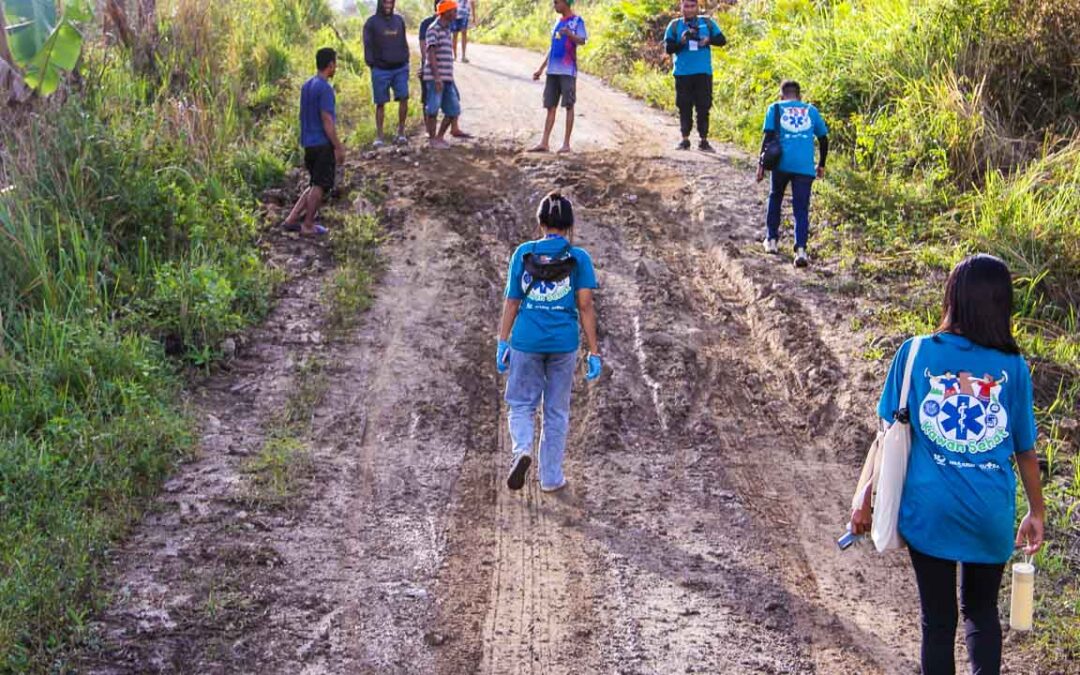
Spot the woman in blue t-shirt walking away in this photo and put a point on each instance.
(970, 407)
(548, 289)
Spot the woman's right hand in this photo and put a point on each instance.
(861, 519)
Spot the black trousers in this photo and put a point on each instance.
(979, 586)
(693, 92)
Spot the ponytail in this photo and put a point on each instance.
(555, 212)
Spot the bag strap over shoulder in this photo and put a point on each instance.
(902, 414)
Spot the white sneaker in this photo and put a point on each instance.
(771, 246)
(801, 259)
(378, 143)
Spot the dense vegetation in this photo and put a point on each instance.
(955, 129)
(130, 235)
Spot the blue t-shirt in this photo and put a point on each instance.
(799, 123)
(316, 97)
(562, 58)
(692, 59)
(547, 322)
(971, 409)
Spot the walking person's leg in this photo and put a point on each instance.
(979, 587)
(558, 382)
(778, 181)
(524, 390)
(801, 187)
(936, 579)
(684, 101)
(451, 107)
(465, 40)
(381, 81)
(293, 219)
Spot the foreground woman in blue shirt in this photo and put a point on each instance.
(971, 411)
(549, 288)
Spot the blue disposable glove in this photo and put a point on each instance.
(594, 367)
(502, 357)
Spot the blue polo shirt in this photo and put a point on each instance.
(800, 123)
(971, 410)
(547, 322)
(690, 60)
(316, 97)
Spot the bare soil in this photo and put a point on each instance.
(709, 467)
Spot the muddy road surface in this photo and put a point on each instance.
(709, 468)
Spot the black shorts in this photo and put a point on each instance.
(693, 91)
(320, 163)
(560, 87)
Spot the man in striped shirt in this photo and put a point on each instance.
(438, 75)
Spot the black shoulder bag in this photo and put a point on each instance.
(773, 151)
(556, 268)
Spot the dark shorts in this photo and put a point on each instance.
(693, 91)
(319, 160)
(560, 87)
(461, 22)
(423, 90)
(382, 81)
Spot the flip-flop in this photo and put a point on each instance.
(462, 135)
(291, 227)
(319, 231)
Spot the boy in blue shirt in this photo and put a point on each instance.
(322, 149)
(688, 40)
(796, 124)
(548, 290)
(567, 35)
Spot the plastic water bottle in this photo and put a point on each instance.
(1022, 606)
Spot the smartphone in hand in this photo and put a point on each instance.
(848, 539)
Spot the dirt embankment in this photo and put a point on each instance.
(709, 467)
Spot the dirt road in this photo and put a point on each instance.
(709, 467)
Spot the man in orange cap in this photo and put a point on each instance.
(438, 74)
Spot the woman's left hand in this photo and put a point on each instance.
(1031, 531)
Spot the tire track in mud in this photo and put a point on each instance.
(692, 535)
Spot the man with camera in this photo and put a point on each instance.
(689, 39)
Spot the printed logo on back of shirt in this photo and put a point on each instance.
(545, 291)
(796, 119)
(964, 414)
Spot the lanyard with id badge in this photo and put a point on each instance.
(694, 42)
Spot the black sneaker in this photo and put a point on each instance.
(704, 146)
(684, 144)
(518, 471)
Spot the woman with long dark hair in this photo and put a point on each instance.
(970, 407)
(549, 289)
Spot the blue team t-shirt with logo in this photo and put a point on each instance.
(562, 59)
(799, 123)
(547, 322)
(971, 410)
(692, 59)
(316, 97)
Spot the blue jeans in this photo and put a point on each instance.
(535, 378)
(800, 204)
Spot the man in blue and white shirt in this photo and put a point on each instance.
(567, 35)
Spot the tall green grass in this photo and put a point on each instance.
(130, 233)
